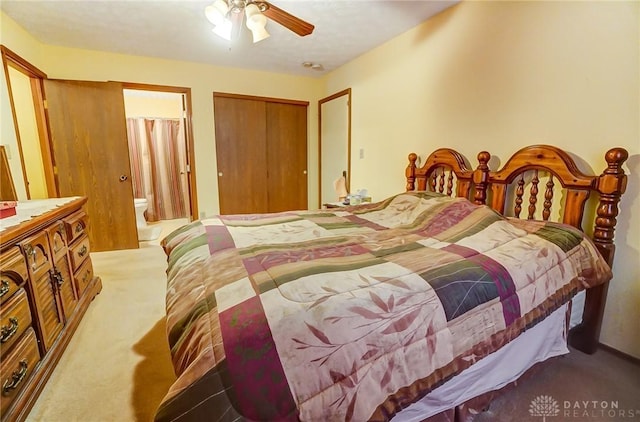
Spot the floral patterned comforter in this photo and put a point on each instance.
(354, 313)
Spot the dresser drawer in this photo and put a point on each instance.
(16, 368)
(66, 288)
(76, 225)
(37, 254)
(15, 318)
(13, 273)
(79, 252)
(57, 239)
(48, 310)
(83, 276)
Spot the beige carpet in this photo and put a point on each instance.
(117, 366)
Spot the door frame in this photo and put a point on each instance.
(188, 129)
(13, 60)
(338, 94)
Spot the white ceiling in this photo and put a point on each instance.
(178, 30)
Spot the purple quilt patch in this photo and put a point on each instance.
(364, 223)
(260, 386)
(218, 238)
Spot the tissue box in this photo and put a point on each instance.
(7, 208)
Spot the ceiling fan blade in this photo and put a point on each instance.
(287, 20)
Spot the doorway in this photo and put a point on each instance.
(29, 157)
(160, 151)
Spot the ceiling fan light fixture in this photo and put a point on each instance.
(251, 10)
(259, 34)
(217, 12)
(256, 22)
(224, 30)
(227, 17)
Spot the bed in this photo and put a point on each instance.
(381, 311)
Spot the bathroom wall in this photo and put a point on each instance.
(152, 104)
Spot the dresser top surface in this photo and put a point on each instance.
(33, 213)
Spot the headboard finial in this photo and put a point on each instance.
(410, 172)
(484, 157)
(615, 157)
(480, 178)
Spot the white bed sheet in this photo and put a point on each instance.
(577, 308)
(543, 341)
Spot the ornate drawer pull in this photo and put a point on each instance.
(9, 330)
(56, 277)
(83, 250)
(32, 252)
(16, 378)
(79, 228)
(4, 287)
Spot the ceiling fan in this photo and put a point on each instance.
(227, 15)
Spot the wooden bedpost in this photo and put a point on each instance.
(611, 184)
(480, 178)
(411, 172)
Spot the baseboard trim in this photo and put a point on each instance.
(622, 355)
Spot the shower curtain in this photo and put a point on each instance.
(158, 157)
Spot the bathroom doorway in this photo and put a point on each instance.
(160, 150)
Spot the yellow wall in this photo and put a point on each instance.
(162, 107)
(499, 76)
(14, 37)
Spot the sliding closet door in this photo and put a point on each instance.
(287, 156)
(89, 140)
(261, 147)
(241, 154)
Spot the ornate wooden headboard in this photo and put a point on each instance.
(442, 166)
(516, 187)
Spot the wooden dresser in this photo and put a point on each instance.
(46, 285)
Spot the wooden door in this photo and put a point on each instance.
(240, 150)
(261, 147)
(91, 157)
(286, 156)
